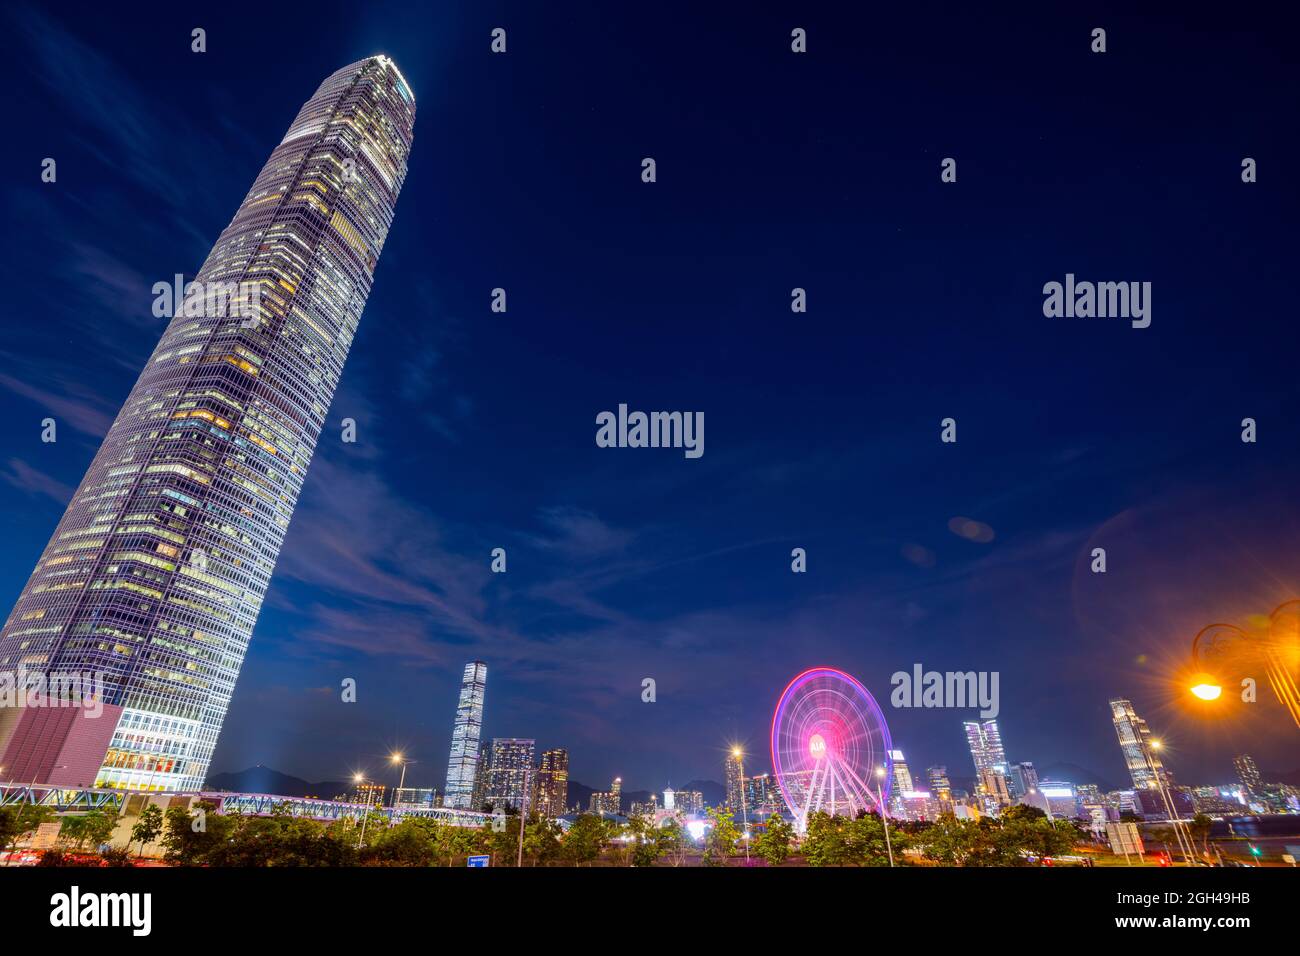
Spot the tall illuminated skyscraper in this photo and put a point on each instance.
(985, 742)
(156, 573)
(466, 738)
(551, 794)
(1144, 764)
(1247, 772)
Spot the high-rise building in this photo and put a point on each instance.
(985, 742)
(902, 783)
(551, 795)
(508, 778)
(608, 801)
(992, 789)
(155, 575)
(735, 775)
(940, 786)
(466, 740)
(1247, 773)
(1144, 764)
(482, 777)
(1022, 779)
(764, 795)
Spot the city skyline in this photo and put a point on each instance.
(475, 428)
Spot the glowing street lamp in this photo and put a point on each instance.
(1205, 687)
(397, 758)
(359, 779)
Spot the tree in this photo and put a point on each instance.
(586, 838)
(675, 840)
(773, 843)
(93, 826)
(148, 827)
(20, 822)
(720, 841)
(867, 844)
(825, 842)
(188, 841)
(542, 841)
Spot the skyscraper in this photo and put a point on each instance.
(509, 779)
(1022, 779)
(735, 773)
(466, 738)
(155, 575)
(1247, 773)
(940, 786)
(902, 784)
(552, 790)
(985, 742)
(1143, 762)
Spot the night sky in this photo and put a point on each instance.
(775, 170)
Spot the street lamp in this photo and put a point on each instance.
(397, 758)
(359, 779)
(884, 816)
(737, 754)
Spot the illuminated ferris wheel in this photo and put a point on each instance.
(830, 746)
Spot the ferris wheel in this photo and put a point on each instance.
(830, 746)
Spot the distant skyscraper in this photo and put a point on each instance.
(512, 767)
(466, 738)
(985, 742)
(482, 777)
(156, 573)
(608, 801)
(1247, 772)
(552, 790)
(735, 771)
(1143, 762)
(902, 783)
(940, 787)
(1022, 779)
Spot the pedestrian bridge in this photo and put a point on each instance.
(83, 799)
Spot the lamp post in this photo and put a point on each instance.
(397, 758)
(884, 815)
(1184, 841)
(738, 755)
(523, 817)
(365, 816)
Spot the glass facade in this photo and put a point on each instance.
(466, 739)
(157, 571)
(1144, 765)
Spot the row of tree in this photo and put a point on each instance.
(204, 837)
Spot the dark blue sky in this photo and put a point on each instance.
(774, 171)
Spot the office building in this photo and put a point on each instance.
(155, 575)
(466, 740)
(1135, 741)
(1247, 773)
(552, 790)
(510, 773)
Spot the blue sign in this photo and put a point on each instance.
(477, 861)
